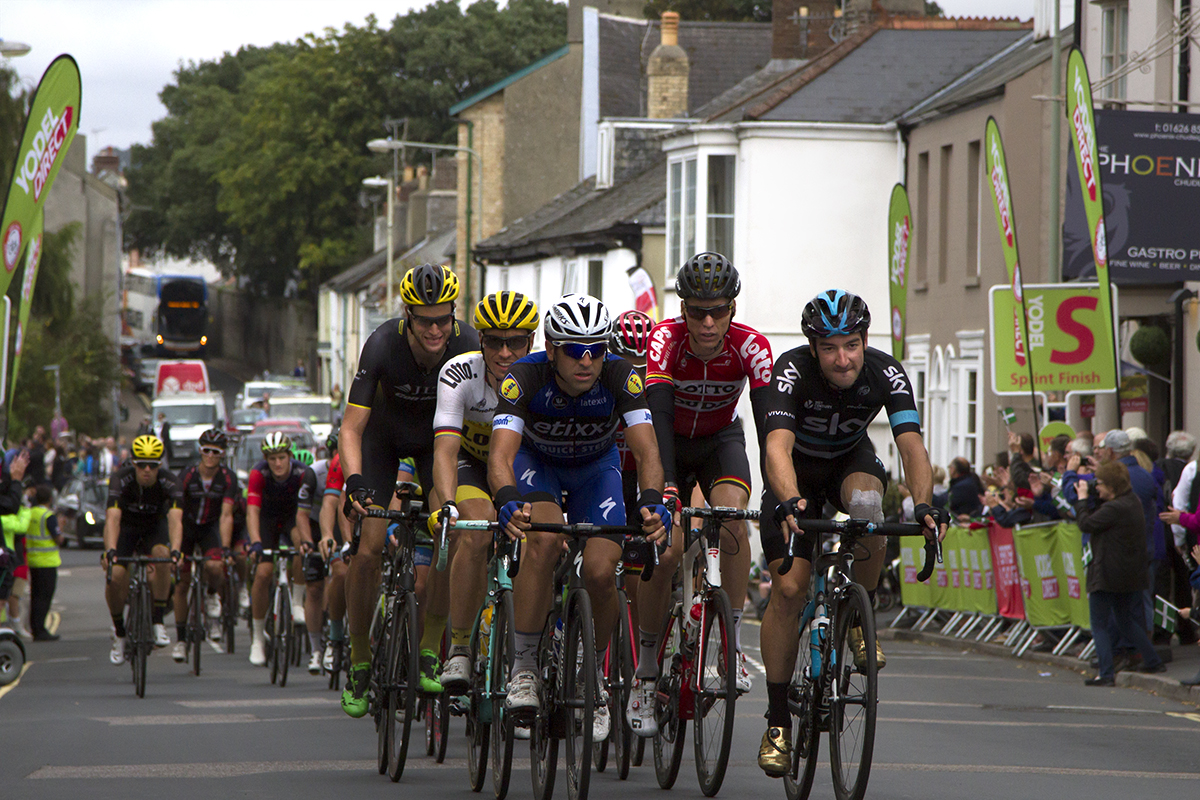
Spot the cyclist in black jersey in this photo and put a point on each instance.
(144, 516)
(821, 399)
(389, 415)
(209, 490)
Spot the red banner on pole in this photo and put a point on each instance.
(1009, 603)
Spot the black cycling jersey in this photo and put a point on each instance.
(143, 505)
(565, 430)
(401, 395)
(281, 498)
(829, 422)
(202, 505)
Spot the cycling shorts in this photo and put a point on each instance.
(381, 459)
(139, 537)
(634, 556)
(206, 537)
(709, 460)
(820, 481)
(594, 490)
(272, 530)
(472, 479)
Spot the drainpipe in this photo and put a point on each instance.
(1179, 297)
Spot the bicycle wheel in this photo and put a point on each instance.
(639, 752)
(853, 699)
(503, 646)
(579, 692)
(402, 688)
(672, 730)
(142, 638)
(381, 639)
(543, 741)
(195, 626)
(715, 699)
(479, 707)
(284, 635)
(620, 683)
(802, 703)
(335, 671)
(436, 711)
(229, 599)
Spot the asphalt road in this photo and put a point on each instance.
(952, 724)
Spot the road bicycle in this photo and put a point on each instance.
(828, 692)
(139, 629)
(196, 630)
(229, 603)
(279, 629)
(697, 660)
(435, 710)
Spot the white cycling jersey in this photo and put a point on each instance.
(465, 404)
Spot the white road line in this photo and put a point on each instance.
(1038, 724)
(276, 702)
(237, 770)
(66, 659)
(6, 689)
(178, 719)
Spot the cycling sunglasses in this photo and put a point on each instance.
(146, 464)
(212, 451)
(577, 350)
(498, 343)
(418, 321)
(718, 313)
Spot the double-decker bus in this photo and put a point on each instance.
(167, 312)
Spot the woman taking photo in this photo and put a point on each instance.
(1116, 574)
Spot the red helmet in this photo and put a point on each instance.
(631, 334)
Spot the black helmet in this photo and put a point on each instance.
(834, 313)
(214, 437)
(707, 276)
(428, 285)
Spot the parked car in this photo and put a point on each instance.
(82, 504)
(316, 409)
(243, 419)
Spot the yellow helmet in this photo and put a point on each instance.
(147, 448)
(505, 310)
(428, 285)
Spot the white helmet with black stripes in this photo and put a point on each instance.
(577, 318)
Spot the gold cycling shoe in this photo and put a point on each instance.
(775, 752)
(855, 636)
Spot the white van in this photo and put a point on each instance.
(190, 415)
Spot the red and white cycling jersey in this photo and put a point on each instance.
(707, 392)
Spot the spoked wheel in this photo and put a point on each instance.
(503, 647)
(806, 738)
(270, 625)
(479, 710)
(716, 699)
(196, 628)
(381, 644)
(672, 730)
(139, 628)
(543, 742)
(335, 671)
(638, 751)
(404, 675)
(620, 684)
(284, 637)
(852, 704)
(229, 608)
(579, 693)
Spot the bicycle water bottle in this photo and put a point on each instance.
(691, 628)
(817, 632)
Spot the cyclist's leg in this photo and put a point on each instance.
(380, 460)
(182, 587)
(862, 498)
(468, 569)
(533, 586)
(116, 591)
(596, 496)
(159, 544)
(260, 591)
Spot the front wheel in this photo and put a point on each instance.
(716, 692)
(853, 697)
(403, 677)
(195, 628)
(802, 705)
(480, 708)
(672, 728)
(543, 743)
(504, 645)
(579, 693)
(283, 639)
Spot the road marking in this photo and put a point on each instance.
(1192, 717)
(237, 770)
(53, 620)
(276, 702)
(66, 659)
(911, 676)
(1036, 724)
(178, 719)
(1056, 771)
(5, 690)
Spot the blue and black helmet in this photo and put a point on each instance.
(834, 313)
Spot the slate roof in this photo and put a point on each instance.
(583, 216)
(432, 249)
(719, 54)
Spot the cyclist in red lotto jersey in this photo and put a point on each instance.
(698, 365)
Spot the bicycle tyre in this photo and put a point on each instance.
(806, 744)
(622, 646)
(229, 598)
(500, 654)
(639, 752)
(578, 680)
(667, 745)
(715, 701)
(437, 723)
(478, 730)
(405, 674)
(142, 642)
(380, 660)
(543, 744)
(853, 705)
(195, 627)
(283, 635)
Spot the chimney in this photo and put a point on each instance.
(800, 28)
(667, 73)
(422, 178)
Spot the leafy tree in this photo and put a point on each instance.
(14, 105)
(932, 9)
(712, 10)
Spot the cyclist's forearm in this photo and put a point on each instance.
(303, 525)
(350, 439)
(445, 466)
(226, 525)
(253, 517)
(329, 505)
(661, 399)
(501, 452)
(112, 528)
(781, 472)
(918, 474)
(643, 445)
(175, 528)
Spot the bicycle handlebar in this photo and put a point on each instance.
(135, 559)
(862, 527)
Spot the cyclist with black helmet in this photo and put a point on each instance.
(555, 427)
(279, 493)
(144, 516)
(699, 364)
(462, 430)
(210, 490)
(629, 340)
(822, 397)
(389, 414)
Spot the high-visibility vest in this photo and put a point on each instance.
(14, 526)
(40, 547)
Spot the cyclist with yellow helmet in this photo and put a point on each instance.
(462, 430)
(145, 515)
(389, 414)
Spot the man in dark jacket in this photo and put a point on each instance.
(1116, 574)
(965, 489)
(1149, 492)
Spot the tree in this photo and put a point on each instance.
(712, 10)
(932, 9)
(14, 106)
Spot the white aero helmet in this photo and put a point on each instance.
(577, 318)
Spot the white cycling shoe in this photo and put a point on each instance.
(640, 708)
(161, 637)
(117, 654)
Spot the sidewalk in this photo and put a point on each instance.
(1184, 663)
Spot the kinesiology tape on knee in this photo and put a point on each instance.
(866, 505)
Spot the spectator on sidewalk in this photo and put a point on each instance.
(1180, 446)
(42, 543)
(1116, 575)
(965, 490)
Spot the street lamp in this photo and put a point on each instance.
(385, 145)
(391, 192)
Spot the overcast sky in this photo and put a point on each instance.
(128, 49)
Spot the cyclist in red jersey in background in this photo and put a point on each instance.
(335, 532)
(279, 493)
(698, 365)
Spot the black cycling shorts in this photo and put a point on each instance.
(206, 537)
(820, 481)
(138, 537)
(272, 530)
(381, 459)
(634, 557)
(709, 460)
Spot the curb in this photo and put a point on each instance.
(1156, 684)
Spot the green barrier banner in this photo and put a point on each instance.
(912, 559)
(1050, 561)
(899, 236)
(1074, 573)
(965, 581)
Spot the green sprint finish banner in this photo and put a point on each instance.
(33, 258)
(49, 131)
(899, 234)
(1082, 118)
(964, 581)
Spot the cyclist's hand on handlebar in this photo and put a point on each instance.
(108, 559)
(447, 511)
(656, 520)
(177, 557)
(357, 497)
(514, 517)
(327, 546)
(671, 499)
(934, 519)
(786, 514)
(255, 550)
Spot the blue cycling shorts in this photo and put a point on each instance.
(594, 490)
